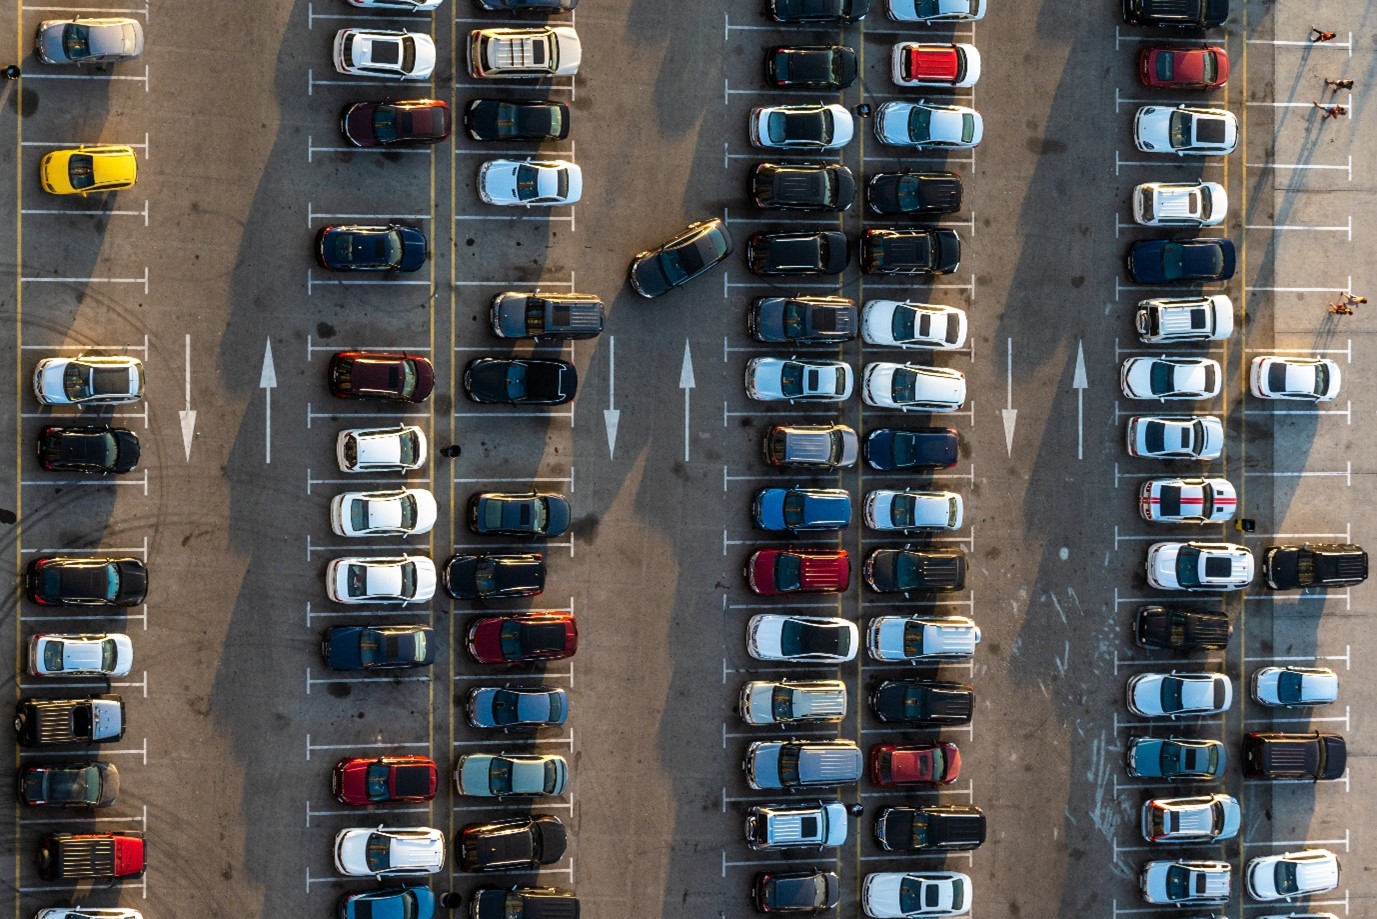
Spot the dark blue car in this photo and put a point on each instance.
(911, 448)
(414, 902)
(378, 647)
(1168, 261)
(795, 509)
(1175, 758)
(395, 247)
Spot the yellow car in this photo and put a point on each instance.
(87, 169)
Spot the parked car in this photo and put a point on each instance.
(508, 707)
(399, 55)
(546, 316)
(1292, 874)
(822, 12)
(88, 449)
(549, 7)
(1187, 14)
(940, 12)
(523, 639)
(1182, 319)
(69, 784)
(49, 722)
(412, 901)
(542, 52)
(511, 775)
(494, 577)
(1180, 204)
(948, 66)
(397, 123)
(1175, 759)
(524, 903)
(516, 119)
(1194, 500)
(829, 446)
(802, 320)
(1185, 882)
(530, 182)
(912, 193)
(1200, 820)
(1321, 565)
(799, 509)
(1180, 629)
(387, 579)
(523, 515)
(916, 251)
(100, 654)
(87, 169)
(404, 512)
(927, 703)
(364, 450)
(1183, 68)
(91, 580)
(398, 6)
(895, 766)
(378, 647)
(391, 247)
(1291, 686)
(75, 856)
(802, 824)
(386, 375)
(1185, 695)
(928, 126)
(792, 701)
(513, 844)
(94, 380)
(818, 639)
(1185, 129)
(1317, 756)
(1172, 261)
(1199, 566)
(363, 781)
(905, 895)
(922, 638)
(776, 379)
(930, 828)
(906, 324)
(88, 41)
(770, 572)
(520, 381)
(812, 252)
(811, 66)
(890, 449)
(805, 127)
(802, 186)
(1305, 379)
(680, 259)
(389, 851)
(889, 571)
(908, 510)
(913, 386)
(1175, 436)
(809, 891)
(795, 764)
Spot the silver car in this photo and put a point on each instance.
(789, 701)
(1207, 818)
(88, 41)
(1286, 687)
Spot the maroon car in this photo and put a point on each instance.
(781, 571)
(936, 763)
(519, 639)
(363, 780)
(395, 377)
(1183, 68)
(401, 123)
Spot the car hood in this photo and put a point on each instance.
(474, 774)
(765, 763)
(485, 640)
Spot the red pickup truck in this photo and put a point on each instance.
(93, 855)
(779, 571)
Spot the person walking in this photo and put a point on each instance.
(1340, 309)
(1320, 35)
(1336, 85)
(12, 72)
(1331, 111)
(1353, 299)
(452, 451)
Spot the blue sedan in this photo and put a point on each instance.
(795, 509)
(412, 902)
(395, 247)
(1170, 261)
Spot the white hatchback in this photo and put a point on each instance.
(404, 579)
(405, 512)
(528, 183)
(81, 655)
(910, 509)
(913, 386)
(389, 851)
(381, 53)
(1304, 379)
(906, 324)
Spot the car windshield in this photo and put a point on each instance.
(1165, 65)
(682, 261)
(917, 897)
(904, 386)
(375, 782)
(782, 703)
(967, 128)
(1289, 687)
(515, 383)
(76, 40)
(905, 570)
(74, 785)
(485, 576)
(1178, 883)
(500, 775)
(505, 707)
(551, 774)
(1209, 66)
(408, 54)
(351, 451)
(356, 581)
(1171, 261)
(76, 379)
(1321, 379)
(1163, 378)
(904, 447)
(408, 572)
(510, 640)
(788, 571)
(52, 656)
(1179, 129)
(527, 182)
(919, 123)
(409, 447)
(795, 320)
(1171, 694)
(1188, 567)
(1286, 878)
(902, 325)
(377, 851)
(788, 764)
(791, 379)
(81, 171)
(794, 503)
(902, 509)
(107, 654)
(385, 124)
(908, 193)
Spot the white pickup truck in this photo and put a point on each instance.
(550, 51)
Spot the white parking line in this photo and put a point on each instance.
(762, 863)
(399, 417)
(1346, 535)
(410, 612)
(1346, 411)
(1346, 229)
(75, 212)
(90, 280)
(1302, 166)
(358, 811)
(508, 285)
(501, 676)
(60, 683)
(390, 548)
(92, 349)
(1323, 46)
(489, 480)
(141, 752)
(537, 412)
(67, 483)
(381, 679)
(1346, 657)
(1128, 100)
(968, 791)
(1346, 351)
(793, 605)
(1303, 719)
(348, 280)
(1347, 474)
(891, 856)
(544, 87)
(311, 348)
(542, 154)
(365, 480)
(99, 550)
(312, 83)
(889, 729)
(543, 869)
(541, 802)
(513, 740)
(58, 144)
(103, 10)
(1166, 722)
(361, 746)
(312, 216)
(1207, 661)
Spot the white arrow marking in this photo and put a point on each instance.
(267, 381)
(1010, 413)
(187, 416)
(611, 415)
(1080, 384)
(686, 383)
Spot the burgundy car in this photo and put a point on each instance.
(781, 571)
(363, 780)
(519, 639)
(1183, 68)
(395, 377)
(401, 123)
(936, 763)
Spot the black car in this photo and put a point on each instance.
(1169, 261)
(516, 119)
(572, 315)
(520, 381)
(57, 580)
(1314, 565)
(885, 251)
(494, 577)
(523, 903)
(809, 253)
(923, 702)
(808, 891)
(403, 123)
(1317, 756)
(803, 186)
(828, 12)
(1190, 14)
(69, 785)
(681, 259)
(522, 515)
(378, 647)
(514, 844)
(1180, 629)
(811, 66)
(529, 6)
(395, 247)
(908, 192)
(508, 707)
(94, 450)
(899, 571)
(949, 827)
(888, 449)
(802, 320)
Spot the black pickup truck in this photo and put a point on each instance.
(1316, 756)
(1188, 14)
(923, 702)
(43, 722)
(914, 829)
(1179, 629)
(1319, 565)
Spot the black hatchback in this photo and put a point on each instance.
(887, 251)
(808, 891)
(56, 580)
(802, 320)
(520, 381)
(494, 577)
(811, 66)
(521, 515)
(513, 119)
(93, 450)
(812, 252)
(888, 449)
(914, 193)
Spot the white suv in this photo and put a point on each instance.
(913, 386)
(1180, 204)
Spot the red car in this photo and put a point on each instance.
(387, 375)
(517, 639)
(403, 123)
(363, 780)
(1184, 68)
(782, 571)
(936, 763)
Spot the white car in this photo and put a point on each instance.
(887, 509)
(380, 53)
(404, 579)
(396, 449)
(1180, 204)
(936, 11)
(1201, 820)
(1187, 500)
(400, 6)
(1171, 695)
(1163, 378)
(1199, 566)
(87, 41)
(950, 66)
(792, 701)
(1186, 882)
(1185, 129)
(525, 183)
(927, 125)
(405, 512)
(1292, 874)
(387, 852)
(1288, 687)
(904, 894)
(922, 638)
(913, 386)
(809, 127)
(772, 379)
(88, 380)
(906, 324)
(1175, 436)
(81, 655)
(821, 639)
(1308, 379)
(1180, 319)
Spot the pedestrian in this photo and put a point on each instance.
(1353, 300)
(1318, 34)
(1341, 309)
(452, 451)
(862, 110)
(1331, 111)
(12, 72)
(1338, 84)
(856, 809)
(451, 900)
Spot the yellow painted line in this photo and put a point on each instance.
(18, 89)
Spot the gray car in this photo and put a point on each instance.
(790, 764)
(88, 41)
